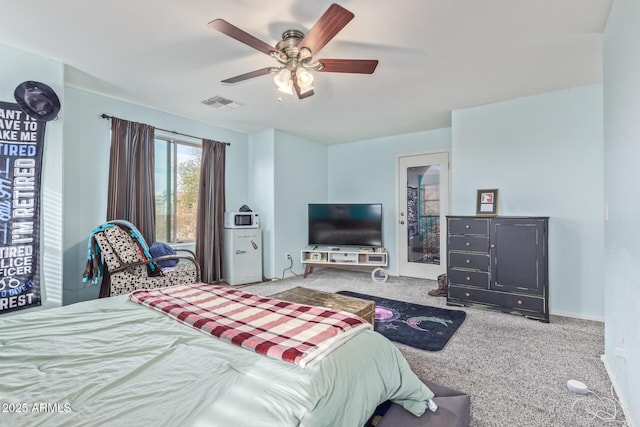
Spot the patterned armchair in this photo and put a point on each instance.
(120, 257)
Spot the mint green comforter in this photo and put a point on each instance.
(112, 362)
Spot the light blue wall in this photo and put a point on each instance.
(365, 172)
(287, 172)
(262, 191)
(544, 154)
(300, 179)
(86, 156)
(16, 67)
(622, 194)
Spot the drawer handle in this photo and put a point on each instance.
(467, 294)
(468, 278)
(468, 261)
(467, 244)
(493, 245)
(467, 226)
(519, 302)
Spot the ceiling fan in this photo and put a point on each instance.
(295, 53)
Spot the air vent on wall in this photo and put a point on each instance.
(221, 103)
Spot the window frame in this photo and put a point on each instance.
(172, 144)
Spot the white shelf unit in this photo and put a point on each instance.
(342, 257)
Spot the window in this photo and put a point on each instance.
(177, 174)
(423, 209)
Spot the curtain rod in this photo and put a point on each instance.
(106, 116)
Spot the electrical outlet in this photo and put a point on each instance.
(287, 256)
(621, 351)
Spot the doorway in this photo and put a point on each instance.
(423, 203)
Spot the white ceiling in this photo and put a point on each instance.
(435, 56)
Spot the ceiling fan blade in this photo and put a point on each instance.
(301, 95)
(360, 66)
(329, 24)
(242, 36)
(249, 75)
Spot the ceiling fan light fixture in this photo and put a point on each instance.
(283, 80)
(286, 90)
(305, 78)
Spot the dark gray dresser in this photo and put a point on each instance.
(499, 263)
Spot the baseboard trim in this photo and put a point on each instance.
(616, 388)
(577, 316)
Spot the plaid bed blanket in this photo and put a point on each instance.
(278, 329)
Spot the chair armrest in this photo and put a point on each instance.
(162, 258)
(189, 251)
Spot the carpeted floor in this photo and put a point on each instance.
(514, 369)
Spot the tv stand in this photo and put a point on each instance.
(342, 257)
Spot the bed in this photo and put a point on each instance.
(116, 362)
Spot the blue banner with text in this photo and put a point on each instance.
(21, 146)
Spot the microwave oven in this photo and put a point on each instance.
(241, 220)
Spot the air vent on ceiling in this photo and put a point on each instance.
(221, 103)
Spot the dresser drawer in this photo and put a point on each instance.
(468, 226)
(469, 260)
(469, 278)
(505, 300)
(468, 243)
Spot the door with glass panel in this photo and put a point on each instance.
(423, 204)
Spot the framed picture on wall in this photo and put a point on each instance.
(487, 202)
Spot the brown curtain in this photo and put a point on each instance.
(131, 193)
(210, 216)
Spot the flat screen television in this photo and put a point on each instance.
(345, 224)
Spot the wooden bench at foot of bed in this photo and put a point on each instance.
(300, 295)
